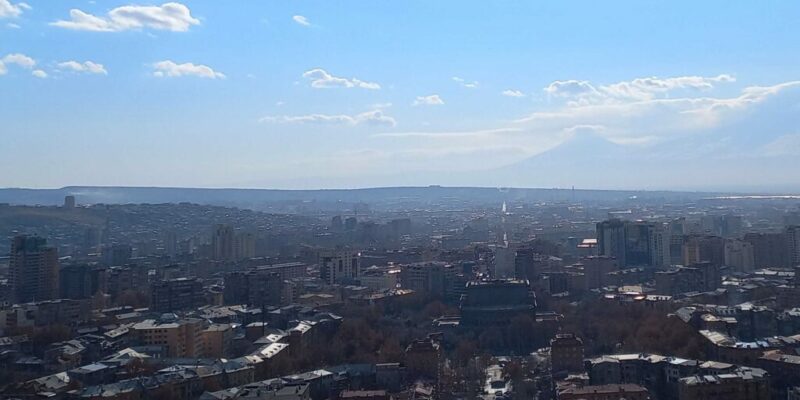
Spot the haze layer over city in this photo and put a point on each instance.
(317, 200)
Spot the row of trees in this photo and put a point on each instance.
(608, 327)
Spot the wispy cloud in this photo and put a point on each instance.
(174, 17)
(87, 67)
(301, 20)
(39, 73)
(431, 100)
(448, 135)
(786, 145)
(170, 69)
(465, 83)
(374, 117)
(513, 93)
(321, 79)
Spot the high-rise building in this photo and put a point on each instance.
(634, 243)
(69, 202)
(525, 264)
(244, 246)
(793, 240)
(176, 294)
(732, 225)
(703, 248)
(677, 229)
(660, 246)
(611, 240)
(769, 249)
(82, 281)
(33, 270)
(739, 255)
(639, 242)
(336, 266)
(222, 243)
(728, 225)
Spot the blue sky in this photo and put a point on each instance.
(302, 94)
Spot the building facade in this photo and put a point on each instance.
(176, 294)
(337, 266)
(33, 270)
(566, 353)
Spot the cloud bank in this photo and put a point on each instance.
(171, 69)
(321, 79)
(174, 17)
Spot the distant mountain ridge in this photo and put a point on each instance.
(248, 197)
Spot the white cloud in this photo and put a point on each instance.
(39, 73)
(301, 20)
(626, 121)
(174, 17)
(513, 93)
(11, 25)
(321, 79)
(171, 69)
(583, 92)
(19, 59)
(570, 88)
(373, 117)
(88, 67)
(647, 88)
(464, 83)
(11, 10)
(432, 100)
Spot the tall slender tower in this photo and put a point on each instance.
(33, 270)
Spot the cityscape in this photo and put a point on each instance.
(418, 294)
(415, 200)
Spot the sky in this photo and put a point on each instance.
(332, 94)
